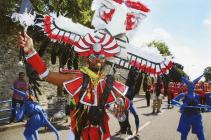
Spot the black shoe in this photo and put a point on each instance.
(11, 121)
(129, 132)
(120, 132)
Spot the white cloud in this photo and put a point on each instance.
(143, 36)
(207, 22)
(193, 58)
(162, 34)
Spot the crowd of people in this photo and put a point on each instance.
(156, 91)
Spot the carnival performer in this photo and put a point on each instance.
(190, 109)
(131, 82)
(91, 90)
(157, 99)
(37, 115)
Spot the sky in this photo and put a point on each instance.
(185, 26)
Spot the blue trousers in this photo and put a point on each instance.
(188, 121)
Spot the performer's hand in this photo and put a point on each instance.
(26, 42)
(118, 110)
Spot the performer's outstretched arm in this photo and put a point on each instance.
(38, 64)
(176, 100)
(19, 113)
(58, 78)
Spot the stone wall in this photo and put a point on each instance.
(9, 69)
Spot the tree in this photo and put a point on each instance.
(161, 46)
(176, 72)
(78, 10)
(207, 74)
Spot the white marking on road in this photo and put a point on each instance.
(142, 127)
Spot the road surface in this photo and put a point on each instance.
(153, 127)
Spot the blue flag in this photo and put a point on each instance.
(25, 4)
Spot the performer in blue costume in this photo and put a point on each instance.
(125, 128)
(190, 110)
(38, 118)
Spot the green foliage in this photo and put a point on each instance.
(6, 9)
(207, 74)
(161, 46)
(77, 10)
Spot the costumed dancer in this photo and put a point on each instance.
(157, 99)
(147, 87)
(131, 82)
(208, 95)
(170, 94)
(190, 109)
(38, 117)
(92, 91)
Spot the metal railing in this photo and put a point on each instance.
(5, 107)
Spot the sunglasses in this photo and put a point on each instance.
(92, 57)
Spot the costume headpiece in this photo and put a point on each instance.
(118, 16)
(97, 43)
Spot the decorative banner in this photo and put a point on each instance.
(150, 67)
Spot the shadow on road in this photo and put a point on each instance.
(116, 138)
(47, 130)
(150, 114)
(142, 106)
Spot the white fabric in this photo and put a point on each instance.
(67, 24)
(117, 24)
(43, 75)
(71, 135)
(33, 52)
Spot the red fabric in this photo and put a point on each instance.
(201, 93)
(73, 85)
(119, 1)
(149, 69)
(137, 5)
(93, 132)
(105, 48)
(153, 71)
(130, 24)
(127, 104)
(108, 16)
(48, 30)
(170, 65)
(37, 63)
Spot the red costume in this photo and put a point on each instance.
(93, 94)
(91, 98)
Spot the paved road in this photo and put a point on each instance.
(154, 127)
